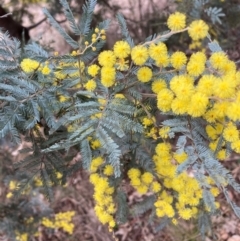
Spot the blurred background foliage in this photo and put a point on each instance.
(70, 215)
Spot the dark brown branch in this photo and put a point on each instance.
(13, 27)
(43, 20)
(37, 24)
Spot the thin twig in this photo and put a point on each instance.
(149, 95)
(165, 36)
(5, 15)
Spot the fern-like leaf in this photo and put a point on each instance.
(86, 18)
(69, 15)
(56, 25)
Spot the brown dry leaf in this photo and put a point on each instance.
(231, 226)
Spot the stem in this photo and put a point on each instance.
(165, 36)
(149, 95)
(31, 96)
(5, 15)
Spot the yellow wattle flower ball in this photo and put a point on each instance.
(162, 60)
(90, 85)
(22, 237)
(12, 185)
(158, 85)
(29, 65)
(96, 162)
(185, 213)
(196, 64)
(107, 58)
(212, 132)
(108, 170)
(157, 50)
(94, 178)
(147, 121)
(163, 132)
(46, 70)
(142, 189)
(144, 74)
(178, 60)
(108, 76)
(156, 187)
(223, 88)
(164, 100)
(233, 111)
(95, 144)
(163, 149)
(215, 191)
(213, 145)
(231, 133)
(211, 116)
(135, 181)
(182, 86)
(147, 178)
(198, 105)
(229, 68)
(133, 173)
(120, 96)
(176, 21)
(180, 105)
(174, 220)
(218, 59)
(9, 195)
(180, 157)
(206, 84)
(93, 70)
(121, 49)
(63, 98)
(198, 29)
(163, 208)
(139, 55)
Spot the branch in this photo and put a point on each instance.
(5, 15)
(43, 20)
(167, 35)
(36, 24)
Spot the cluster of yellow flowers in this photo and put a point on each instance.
(184, 193)
(200, 87)
(21, 236)
(97, 35)
(207, 89)
(38, 181)
(103, 191)
(230, 134)
(12, 186)
(62, 220)
(25, 236)
(93, 70)
(143, 182)
(198, 29)
(214, 95)
(29, 66)
(117, 59)
(151, 129)
(110, 61)
(95, 144)
(57, 67)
